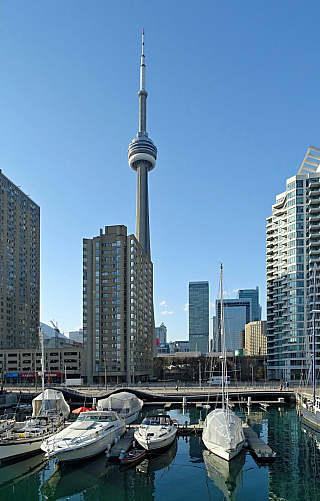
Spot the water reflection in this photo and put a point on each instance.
(16, 471)
(104, 479)
(226, 475)
(158, 461)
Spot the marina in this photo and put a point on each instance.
(186, 469)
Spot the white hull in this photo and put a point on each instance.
(311, 417)
(19, 448)
(223, 434)
(89, 436)
(131, 418)
(221, 452)
(158, 443)
(87, 451)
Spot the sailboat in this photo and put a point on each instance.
(310, 409)
(25, 438)
(222, 429)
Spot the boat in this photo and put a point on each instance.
(6, 424)
(132, 458)
(156, 432)
(310, 408)
(222, 429)
(226, 475)
(49, 413)
(91, 434)
(126, 404)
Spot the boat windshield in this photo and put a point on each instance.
(156, 420)
(105, 419)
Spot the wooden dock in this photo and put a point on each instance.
(256, 445)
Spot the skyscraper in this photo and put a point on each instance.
(19, 267)
(199, 316)
(292, 248)
(252, 294)
(237, 313)
(118, 327)
(142, 155)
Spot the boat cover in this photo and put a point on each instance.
(223, 428)
(123, 403)
(53, 401)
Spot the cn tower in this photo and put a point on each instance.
(142, 156)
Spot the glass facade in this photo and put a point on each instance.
(292, 248)
(199, 317)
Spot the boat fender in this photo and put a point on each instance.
(121, 455)
(245, 444)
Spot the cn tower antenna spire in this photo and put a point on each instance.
(142, 156)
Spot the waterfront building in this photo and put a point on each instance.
(292, 248)
(19, 268)
(118, 321)
(237, 313)
(256, 338)
(252, 294)
(161, 334)
(24, 366)
(199, 317)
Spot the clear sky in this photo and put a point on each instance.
(233, 106)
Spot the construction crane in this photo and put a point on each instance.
(57, 332)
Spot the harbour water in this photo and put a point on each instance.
(184, 472)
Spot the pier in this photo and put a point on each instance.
(257, 447)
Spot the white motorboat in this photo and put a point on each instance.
(91, 434)
(126, 404)
(222, 429)
(156, 432)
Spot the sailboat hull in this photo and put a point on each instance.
(223, 434)
(312, 417)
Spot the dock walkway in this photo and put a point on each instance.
(256, 445)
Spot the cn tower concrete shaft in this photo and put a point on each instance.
(142, 156)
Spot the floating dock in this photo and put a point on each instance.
(256, 445)
(123, 444)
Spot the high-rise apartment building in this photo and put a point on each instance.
(118, 326)
(256, 338)
(19, 268)
(252, 294)
(199, 317)
(292, 248)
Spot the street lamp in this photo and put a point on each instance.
(105, 373)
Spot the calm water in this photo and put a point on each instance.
(185, 472)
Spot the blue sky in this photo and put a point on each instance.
(233, 106)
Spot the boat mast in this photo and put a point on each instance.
(314, 336)
(42, 369)
(223, 342)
